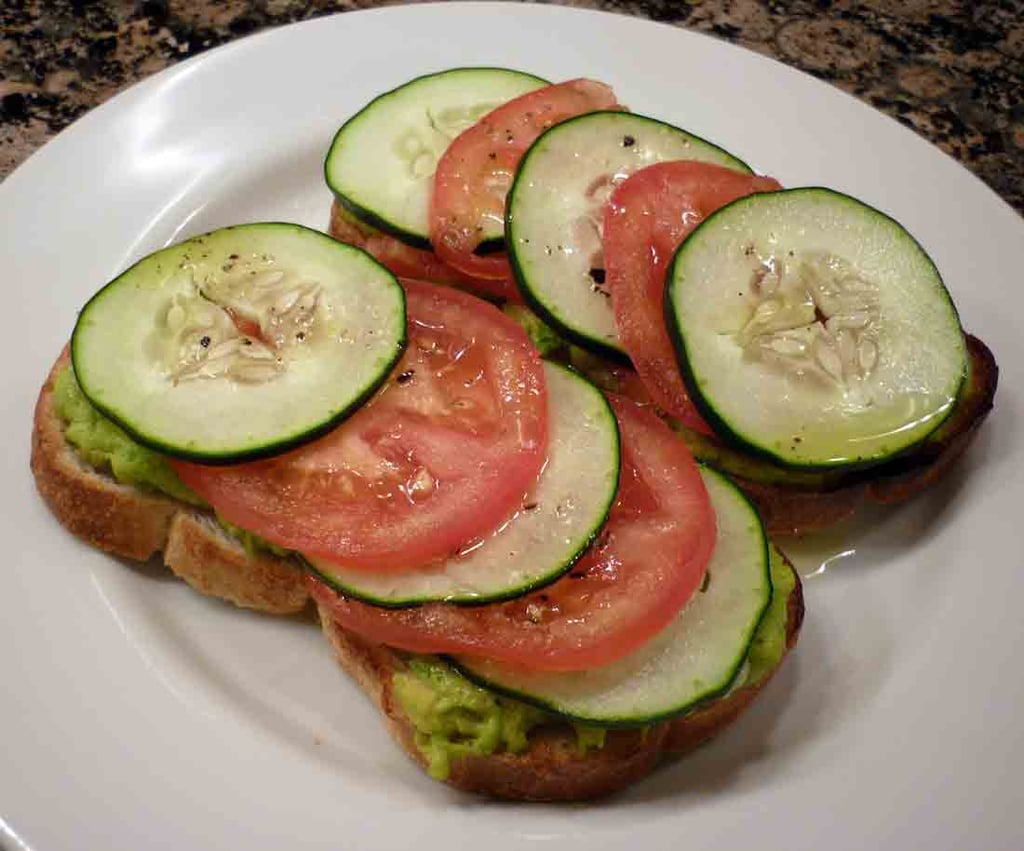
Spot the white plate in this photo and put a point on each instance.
(136, 714)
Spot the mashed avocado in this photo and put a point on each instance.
(103, 445)
(454, 717)
(542, 335)
(252, 544)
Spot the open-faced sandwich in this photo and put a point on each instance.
(535, 580)
(493, 501)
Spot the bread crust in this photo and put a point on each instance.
(552, 768)
(131, 523)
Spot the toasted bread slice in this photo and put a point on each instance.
(134, 524)
(552, 768)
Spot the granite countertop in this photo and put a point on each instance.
(952, 70)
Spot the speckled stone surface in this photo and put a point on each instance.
(952, 70)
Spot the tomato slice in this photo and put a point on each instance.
(440, 456)
(645, 564)
(408, 262)
(474, 174)
(646, 219)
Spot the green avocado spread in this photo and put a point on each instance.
(454, 717)
(103, 445)
(544, 338)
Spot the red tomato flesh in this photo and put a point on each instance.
(474, 174)
(645, 564)
(647, 217)
(408, 262)
(440, 456)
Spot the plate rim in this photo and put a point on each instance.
(126, 100)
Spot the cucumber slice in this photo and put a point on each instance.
(560, 518)
(555, 209)
(814, 330)
(697, 657)
(381, 163)
(239, 343)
